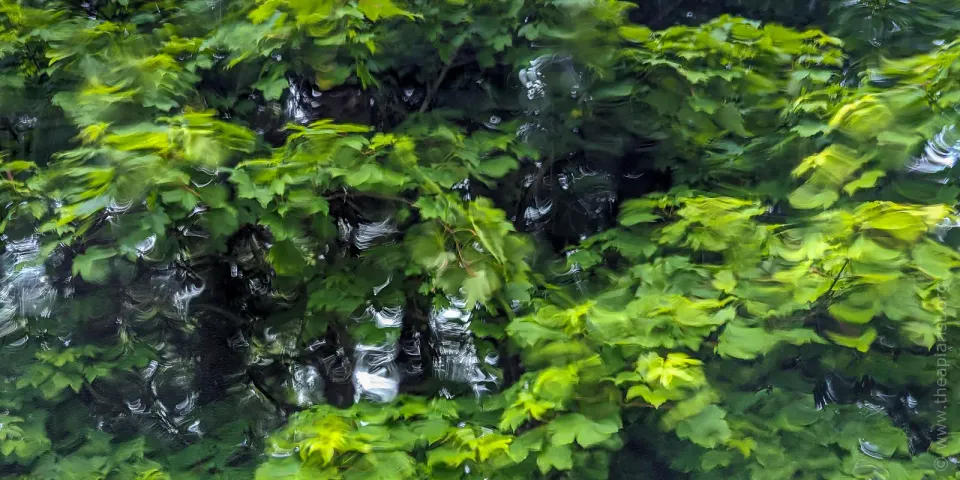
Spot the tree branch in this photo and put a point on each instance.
(436, 85)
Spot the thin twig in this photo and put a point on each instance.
(837, 278)
(369, 194)
(191, 190)
(456, 244)
(436, 85)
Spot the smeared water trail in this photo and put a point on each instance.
(25, 289)
(940, 153)
(456, 358)
(376, 375)
(306, 385)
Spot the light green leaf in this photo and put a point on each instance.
(725, 281)
(857, 308)
(653, 397)
(867, 180)
(376, 9)
(923, 333)
(861, 343)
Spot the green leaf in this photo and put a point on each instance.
(730, 118)
(449, 456)
(856, 308)
(498, 166)
(246, 188)
(93, 265)
(808, 197)
(948, 446)
(861, 343)
(808, 129)
(634, 212)
(707, 428)
(529, 333)
(725, 281)
(653, 397)
(935, 259)
(376, 9)
(290, 468)
(922, 333)
(428, 248)
(635, 33)
(364, 175)
(865, 250)
(555, 457)
(286, 258)
(531, 441)
(633, 218)
(747, 343)
(16, 166)
(617, 90)
(385, 465)
(272, 88)
(480, 285)
(186, 199)
(221, 223)
(903, 225)
(586, 431)
(431, 430)
(867, 180)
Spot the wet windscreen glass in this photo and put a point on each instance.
(487, 239)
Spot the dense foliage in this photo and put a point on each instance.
(303, 239)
